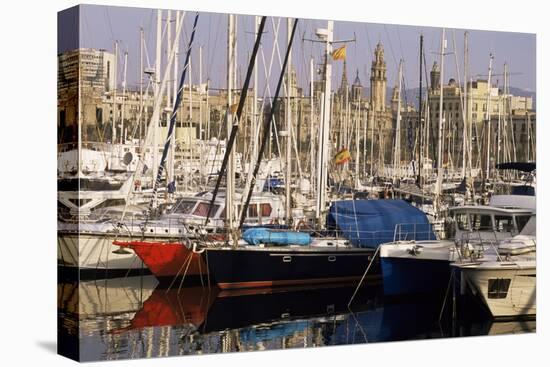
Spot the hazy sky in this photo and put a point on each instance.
(100, 26)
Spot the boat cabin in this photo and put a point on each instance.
(486, 223)
(264, 209)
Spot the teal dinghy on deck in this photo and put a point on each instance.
(256, 236)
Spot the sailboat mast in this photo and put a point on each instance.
(175, 46)
(158, 62)
(420, 129)
(440, 135)
(371, 142)
(499, 137)
(255, 120)
(288, 165)
(168, 51)
(488, 120)
(140, 83)
(230, 179)
(113, 133)
(466, 149)
(467, 143)
(79, 116)
(397, 147)
(357, 141)
(322, 161)
(311, 125)
(200, 94)
(506, 155)
(470, 129)
(122, 135)
(528, 122)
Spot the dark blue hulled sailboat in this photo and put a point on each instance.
(283, 258)
(393, 225)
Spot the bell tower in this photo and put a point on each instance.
(356, 88)
(378, 80)
(344, 86)
(435, 75)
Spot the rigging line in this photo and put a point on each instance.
(237, 119)
(141, 163)
(391, 46)
(404, 72)
(174, 110)
(146, 55)
(275, 47)
(267, 90)
(208, 39)
(429, 123)
(286, 89)
(370, 48)
(109, 23)
(149, 36)
(267, 126)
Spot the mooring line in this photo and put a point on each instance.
(363, 277)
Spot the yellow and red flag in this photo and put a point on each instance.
(339, 53)
(342, 156)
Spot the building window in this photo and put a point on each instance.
(457, 106)
(62, 118)
(108, 74)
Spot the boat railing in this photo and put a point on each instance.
(352, 234)
(473, 245)
(413, 231)
(133, 226)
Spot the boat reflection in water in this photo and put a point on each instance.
(89, 311)
(140, 321)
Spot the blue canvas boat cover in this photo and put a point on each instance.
(369, 223)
